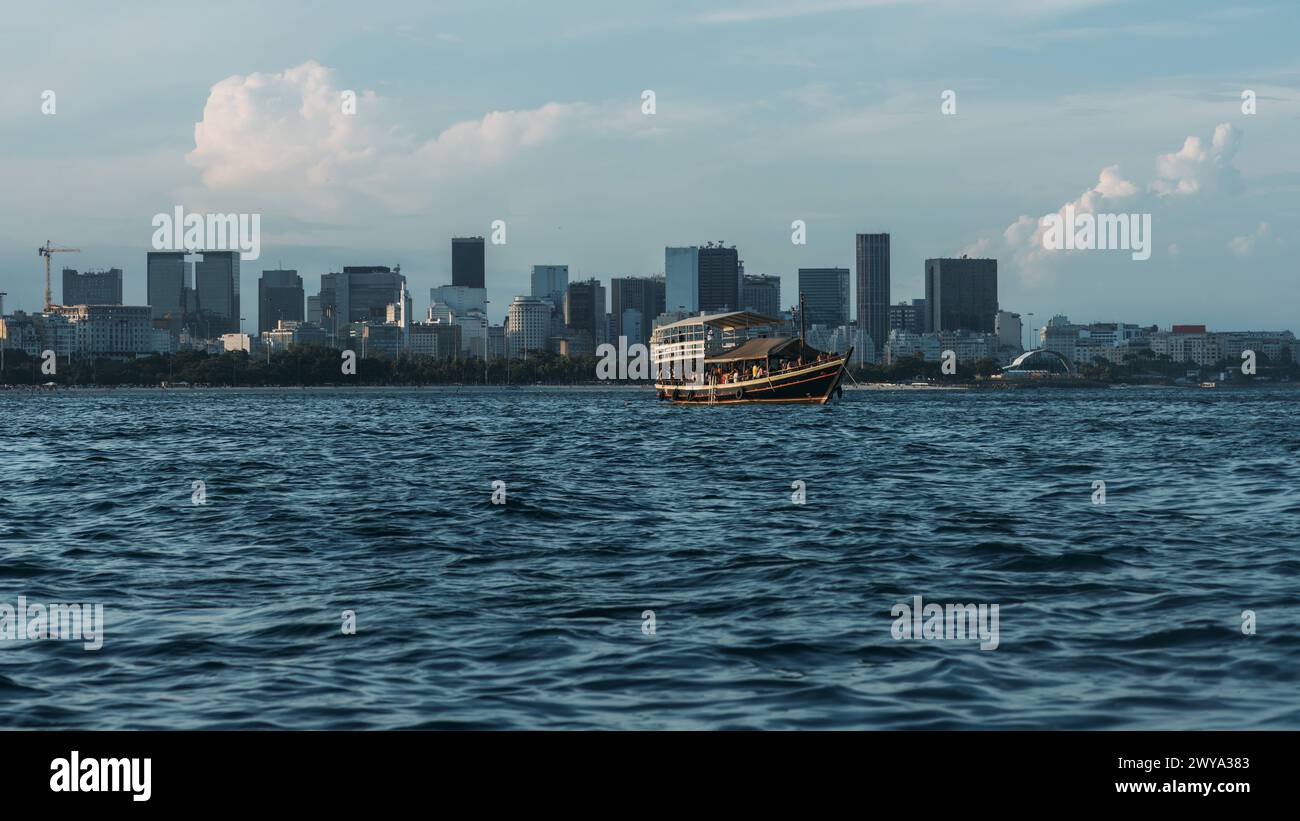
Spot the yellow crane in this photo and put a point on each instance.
(46, 251)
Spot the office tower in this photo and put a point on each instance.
(92, 287)
(165, 283)
(361, 293)
(550, 282)
(908, 316)
(459, 299)
(682, 279)
(584, 309)
(528, 325)
(873, 286)
(216, 282)
(279, 296)
(467, 261)
(961, 294)
(313, 310)
(761, 293)
(719, 278)
(643, 295)
(826, 295)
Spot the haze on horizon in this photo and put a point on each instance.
(826, 112)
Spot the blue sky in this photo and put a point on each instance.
(826, 111)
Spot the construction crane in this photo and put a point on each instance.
(46, 250)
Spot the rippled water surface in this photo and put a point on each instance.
(768, 614)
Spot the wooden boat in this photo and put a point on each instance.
(737, 358)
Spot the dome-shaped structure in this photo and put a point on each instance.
(1041, 361)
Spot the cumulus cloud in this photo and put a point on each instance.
(284, 136)
(1197, 169)
(1196, 166)
(1244, 246)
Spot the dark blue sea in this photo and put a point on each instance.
(767, 613)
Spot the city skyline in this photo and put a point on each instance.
(1139, 110)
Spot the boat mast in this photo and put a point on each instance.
(802, 339)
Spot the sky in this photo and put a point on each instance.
(825, 111)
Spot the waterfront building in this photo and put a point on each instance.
(719, 278)
(642, 299)
(961, 294)
(528, 325)
(92, 287)
(279, 297)
(468, 262)
(873, 286)
(761, 293)
(682, 279)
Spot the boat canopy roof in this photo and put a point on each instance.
(759, 348)
(727, 321)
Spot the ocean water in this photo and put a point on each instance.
(767, 613)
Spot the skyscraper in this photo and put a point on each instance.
(642, 295)
(584, 309)
(961, 294)
(467, 261)
(279, 296)
(216, 279)
(550, 282)
(873, 286)
(682, 279)
(165, 283)
(908, 316)
(92, 287)
(719, 269)
(528, 323)
(826, 295)
(361, 293)
(761, 293)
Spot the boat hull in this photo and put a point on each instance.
(810, 385)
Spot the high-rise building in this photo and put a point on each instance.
(358, 294)
(528, 325)
(761, 293)
(826, 295)
(961, 294)
(216, 281)
(719, 278)
(279, 296)
(467, 261)
(165, 283)
(873, 286)
(92, 287)
(643, 295)
(908, 316)
(550, 282)
(584, 310)
(682, 279)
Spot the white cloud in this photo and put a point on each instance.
(1196, 169)
(1244, 246)
(1196, 166)
(284, 138)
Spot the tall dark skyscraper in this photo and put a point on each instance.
(216, 279)
(467, 261)
(961, 294)
(165, 283)
(92, 287)
(873, 287)
(761, 293)
(719, 278)
(826, 295)
(584, 309)
(279, 296)
(642, 295)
